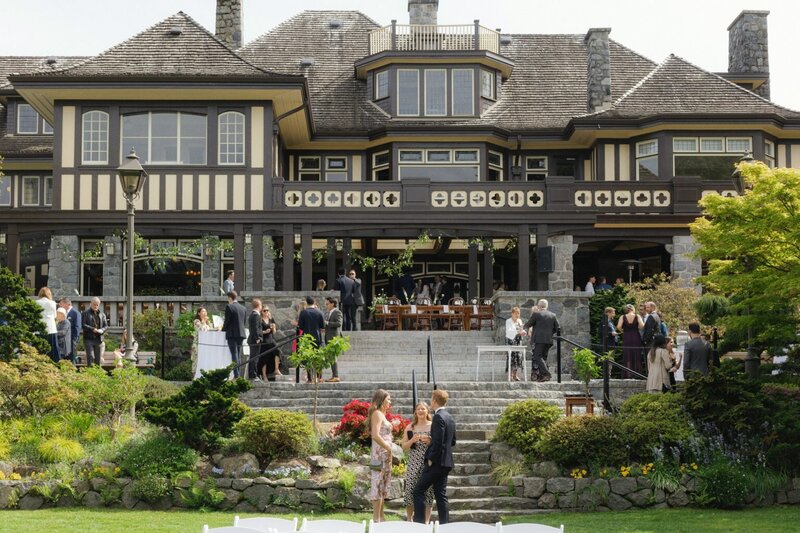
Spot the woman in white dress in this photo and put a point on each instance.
(49, 318)
(659, 366)
(514, 333)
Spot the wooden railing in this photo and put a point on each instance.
(416, 37)
(114, 306)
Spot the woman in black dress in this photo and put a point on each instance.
(630, 323)
(266, 359)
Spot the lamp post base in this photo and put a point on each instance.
(752, 363)
(130, 354)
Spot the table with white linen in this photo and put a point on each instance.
(213, 351)
(508, 349)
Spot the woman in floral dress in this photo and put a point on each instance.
(201, 323)
(417, 438)
(381, 431)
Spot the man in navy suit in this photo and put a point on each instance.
(438, 460)
(347, 287)
(233, 326)
(75, 327)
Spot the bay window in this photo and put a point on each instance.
(712, 158)
(647, 159)
(435, 92)
(463, 92)
(407, 92)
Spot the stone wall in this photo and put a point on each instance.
(229, 22)
(423, 11)
(561, 279)
(113, 268)
(748, 46)
(685, 267)
(64, 268)
(598, 69)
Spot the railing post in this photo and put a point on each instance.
(429, 360)
(558, 355)
(163, 350)
(414, 394)
(477, 34)
(606, 366)
(715, 346)
(394, 34)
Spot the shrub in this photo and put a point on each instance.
(60, 450)
(353, 423)
(673, 297)
(76, 425)
(723, 484)
(650, 420)
(584, 440)
(157, 455)
(157, 389)
(202, 413)
(20, 317)
(522, 424)
(31, 385)
(270, 434)
(180, 372)
(151, 488)
(617, 298)
(5, 448)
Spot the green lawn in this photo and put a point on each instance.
(773, 519)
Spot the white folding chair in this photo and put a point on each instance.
(466, 527)
(399, 527)
(333, 526)
(531, 528)
(265, 523)
(229, 529)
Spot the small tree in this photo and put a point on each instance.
(32, 386)
(203, 412)
(587, 366)
(318, 358)
(20, 317)
(674, 300)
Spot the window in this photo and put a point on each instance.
(463, 93)
(48, 190)
(336, 169)
(5, 190)
(487, 84)
(466, 156)
(410, 156)
(712, 157)
(535, 168)
(435, 93)
(647, 159)
(309, 168)
(380, 166)
(95, 137)
(166, 137)
(495, 161)
(381, 84)
(47, 129)
(438, 156)
(231, 138)
(769, 153)
(30, 191)
(27, 119)
(438, 164)
(92, 267)
(407, 92)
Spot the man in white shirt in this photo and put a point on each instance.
(590, 285)
(227, 285)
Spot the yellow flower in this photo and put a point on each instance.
(2, 475)
(694, 466)
(14, 476)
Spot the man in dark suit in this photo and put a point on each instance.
(74, 318)
(358, 296)
(233, 326)
(333, 328)
(254, 338)
(545, 325)
(652, 325)
(346, 287)
(438, 460)
(311, 321)
(696, 352)
(94, 324)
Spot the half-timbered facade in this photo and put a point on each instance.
(532, 160)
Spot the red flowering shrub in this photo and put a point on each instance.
(353, 423)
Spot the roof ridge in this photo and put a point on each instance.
(294, 18)
(634, 52)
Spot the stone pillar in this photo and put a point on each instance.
(307, 259)
(268, 264)
(229, 22)
(523, 258)
(211, 284)
(249, 274)
(561, 279)
(685, 267)
(598, 66)
(423, 11)
(64, 265)
(113, 268)
(748, 51)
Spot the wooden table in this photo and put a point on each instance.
(508, 349)
(435, 312)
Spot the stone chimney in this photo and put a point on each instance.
(423, 11)
(229, 22)
(598, 69)
(748, 48)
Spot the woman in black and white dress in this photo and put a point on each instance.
(416, 439)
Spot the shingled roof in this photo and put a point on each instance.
(22, 145)
(679, 87)
(176, 47)
(24, 64)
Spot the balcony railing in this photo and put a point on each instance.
(419, 37)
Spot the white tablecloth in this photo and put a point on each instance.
(213, 352)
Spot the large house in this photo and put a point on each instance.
(531, 160)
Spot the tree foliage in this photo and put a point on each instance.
(202, 413)
(674, 300)
(20, 317)
(31, 385)
(752, 245)
(318, 358)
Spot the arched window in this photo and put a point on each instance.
(231, 138)
(95, 137)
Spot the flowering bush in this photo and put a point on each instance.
(353, 423)
(293, 472)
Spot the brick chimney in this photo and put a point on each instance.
(598, 69)
(423, 11)
(229, 22)
(748, 51)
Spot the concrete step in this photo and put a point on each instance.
(495, 503)
(474, 480)
(461, 492)
(468, 469)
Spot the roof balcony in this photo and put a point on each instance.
(427, 37)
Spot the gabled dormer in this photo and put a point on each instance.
(424, 70)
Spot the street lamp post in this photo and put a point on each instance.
(132, 177)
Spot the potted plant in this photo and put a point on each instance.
(587, 367)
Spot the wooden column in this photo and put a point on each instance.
(346, 249)
(258, 257)
(473, 270)
(331, 264)
(542, 237)
(488, 269)
(288, 257)
(524, 258)
(12, 248)
(307, 258)
(238, 257)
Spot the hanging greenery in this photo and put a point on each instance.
(391, 266)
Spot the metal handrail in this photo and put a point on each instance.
(613, 363)
(431, 367)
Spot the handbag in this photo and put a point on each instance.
(376, 464)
